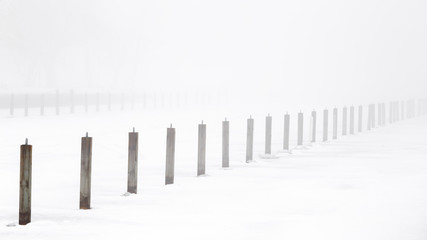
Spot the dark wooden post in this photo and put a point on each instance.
(133, 162)
(86, 172)
(286, 132)
(300, 128)
(57, 102)
(268, 129)
(12, 104)
(170, 156)
(325, 125)
(360, 120)
(249, 140)
(25, 184)
(335, 124)
(225, 144)
(26, 105)
(351, 120)
(201, 153)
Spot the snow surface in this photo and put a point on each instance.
(367, 186)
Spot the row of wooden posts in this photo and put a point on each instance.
(395, 114)
(108, 99)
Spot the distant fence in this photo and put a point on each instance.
(376, 117)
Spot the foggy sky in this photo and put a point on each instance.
(281, 50)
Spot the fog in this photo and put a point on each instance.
(309, 51)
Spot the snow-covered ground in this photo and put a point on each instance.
(371, 185)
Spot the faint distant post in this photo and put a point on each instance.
(360, 112)
(403, 110)
(300, 128)
(42, 104)
(313, 126)
(170, 156)
(123, 101)
(335, 124)
(133, 162)
(351, 120)
(97, 101)
(86, 172)
(109, 101)
(57, 101)
(71, 101)
(249, 140)
(379, 110)
(12, 104)
(325, 125)
(225, 144)
(286, 132)
(26, 105)
(373, 115)
(86, 103)
(25, 177)
(344, 121)
(133, 101)
(201, 153)
(390, 113)
(268, 128)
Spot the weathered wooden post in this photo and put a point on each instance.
(286, 132)
(335, 124)
(71, 101)
(42, 103)
(268, 128)
(25, 184)
(249, 140)
(86, 172)
(300, 128)
(86, 103)
(313, 126)
(325, 125)
(201, 153)
(351, 120)
(170, 156)
(97, 101)
(133, 162)
(26, 105)
(344, 121)
(225, 144)
(12, 104)
(57, 102)
(360, 120)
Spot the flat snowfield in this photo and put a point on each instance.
(371, 185)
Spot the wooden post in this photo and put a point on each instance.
(71, 101)
(12, 104)
(313, 126)
(225, 144)
(268, 128)
(360, 112)
(25, 184)
(249, 140)
(286, 132)
(133, 162)
(300, 128)
(170, 156)
(335, 124)
(85, 172)
(42, 103)
(325, 125)
(344, 121)
(26, 105)
(86, 103)
(201, 153)
(97, 101)
(351, 120)
(57, 102)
